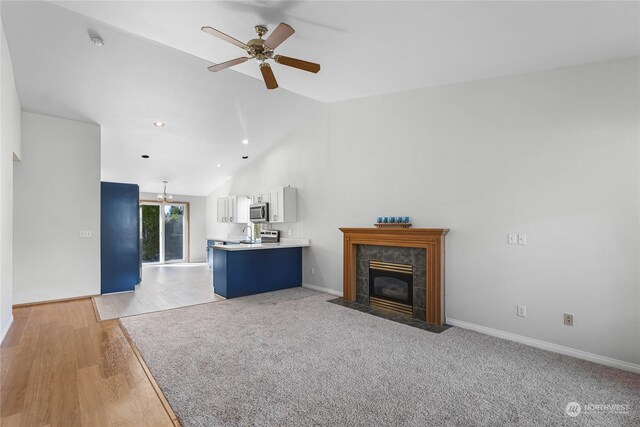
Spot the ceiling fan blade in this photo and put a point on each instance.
(223, 36)
(267, 75)
(227, 64)
(280, 34)
(311, 67)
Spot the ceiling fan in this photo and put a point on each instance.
(262, 51)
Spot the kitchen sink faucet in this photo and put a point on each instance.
(250, 231)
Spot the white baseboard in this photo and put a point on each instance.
(568, 351)
(6, 329)
(322, 289)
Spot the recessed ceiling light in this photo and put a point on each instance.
(245, 157)
(245, 141)
(158, 124)
(219, 165)
(97, 41)
(145, 156)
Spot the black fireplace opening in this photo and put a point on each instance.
(391, 286)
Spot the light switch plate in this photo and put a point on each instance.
(512, 239)
(522, 311)
(85, 234)
(522, 239)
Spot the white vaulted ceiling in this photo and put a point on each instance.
(153, 67)
(130, 83)
(373, 47)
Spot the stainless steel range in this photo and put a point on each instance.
(269, 236)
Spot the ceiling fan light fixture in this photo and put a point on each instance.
(245, 141)
(159, 124)
(262, 50)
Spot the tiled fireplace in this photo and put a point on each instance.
(401, 270)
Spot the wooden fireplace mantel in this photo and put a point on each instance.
(431, 239)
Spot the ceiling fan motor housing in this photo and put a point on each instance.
(257, 49)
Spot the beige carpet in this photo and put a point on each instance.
(289, 358)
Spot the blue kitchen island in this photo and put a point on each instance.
(248, 269)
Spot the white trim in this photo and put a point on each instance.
(4, 333)
(113, 293)
(555, 348)
(322, 289)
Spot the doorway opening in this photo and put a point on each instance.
(169, 279)
(164, 236)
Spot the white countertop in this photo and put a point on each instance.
(233, 239)
(284, 243)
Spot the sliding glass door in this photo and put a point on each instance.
(163, 232)
(174, 232)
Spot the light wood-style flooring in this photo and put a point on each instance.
(163, 287)
(59, 366)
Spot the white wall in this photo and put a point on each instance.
(9, 151)
(57, 194)
(554, 155)
(197, 223)
(301, 160)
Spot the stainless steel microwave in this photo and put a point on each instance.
(259, 212)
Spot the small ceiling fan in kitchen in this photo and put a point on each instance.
(263, 51)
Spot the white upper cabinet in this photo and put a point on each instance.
(260, 198)
(221, 210)
(282, 205)
(241, 209)
(233, 209)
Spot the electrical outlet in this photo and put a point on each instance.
(289, 232)
(522, 311)
(85, 233)
(511, 239)
(522, 239)
(568, 319)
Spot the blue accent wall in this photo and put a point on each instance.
(119, 237)
(248, 272)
